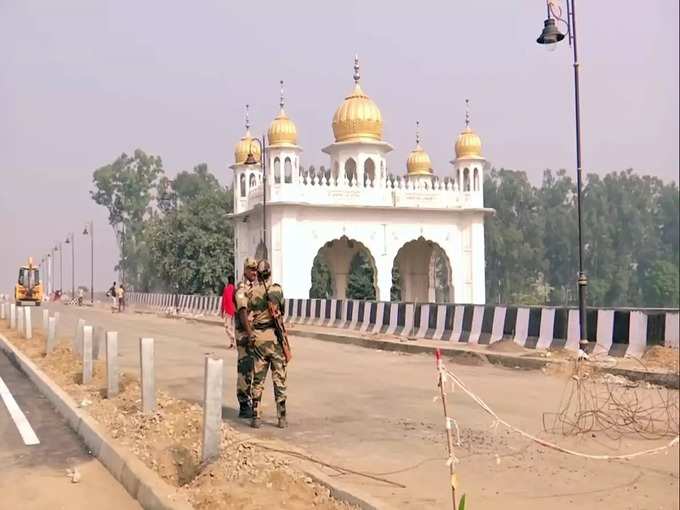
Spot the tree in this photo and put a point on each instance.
(125, 188)
(360, 282)
(321, 279)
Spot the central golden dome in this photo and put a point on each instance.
(358, 117)
(282, 131)
(418, 162)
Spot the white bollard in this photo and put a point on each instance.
(111, 364)
(78, 338)
(3, 313)
(46, 316)
(212, 408)
(146, 356)
(12, 316)
(51, 334)
(20, 321)
(87, 354)
(28, 327)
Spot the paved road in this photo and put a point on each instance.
(34, 477)
(373, 411)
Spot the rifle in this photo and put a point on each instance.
(279, 326)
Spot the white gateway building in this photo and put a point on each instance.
(411, 221)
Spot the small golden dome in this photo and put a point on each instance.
(244, 147)
(358, 117)
(468, 144)
(418, 162)
(247, 145)
(282, 130)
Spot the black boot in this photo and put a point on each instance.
(281, 412)
(246, 410)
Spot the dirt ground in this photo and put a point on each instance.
(246, 476)
(373, 411)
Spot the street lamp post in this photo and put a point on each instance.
(71, 240)
(250, 160)
(551, 35)
(61, 267)
(90, 232)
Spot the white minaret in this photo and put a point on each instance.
(246, 177)
(468, 167)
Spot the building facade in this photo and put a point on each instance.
(416, 220)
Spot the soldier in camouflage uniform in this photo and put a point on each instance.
(244, 366)
(267, 351)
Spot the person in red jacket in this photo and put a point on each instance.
(228, 311)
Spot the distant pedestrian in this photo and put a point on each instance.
(81, 295)
(114, 297)
(228, 311)
(120, 295)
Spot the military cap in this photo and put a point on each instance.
(250, 263)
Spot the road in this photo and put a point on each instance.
(34, 477)
(373, 411)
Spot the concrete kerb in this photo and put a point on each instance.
(141, 482)
(460, 353)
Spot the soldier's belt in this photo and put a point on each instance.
(261, 327)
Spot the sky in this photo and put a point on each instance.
(83, 81)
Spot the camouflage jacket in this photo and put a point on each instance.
(255, 301)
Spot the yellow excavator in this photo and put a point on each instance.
(28, 290)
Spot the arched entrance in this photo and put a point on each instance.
(422, 273)
(344, 269)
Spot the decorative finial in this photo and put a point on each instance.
(356, 69)
(281, 102)
(247, 117)
(417, 132)
(467, 113)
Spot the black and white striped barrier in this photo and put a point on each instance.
(616, 332)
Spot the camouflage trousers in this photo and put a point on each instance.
(244, 378)
(268, 353)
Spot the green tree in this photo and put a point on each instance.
(321, 279)
(361, 279)
(125, 188)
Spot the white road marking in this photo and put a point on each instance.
(20, 420)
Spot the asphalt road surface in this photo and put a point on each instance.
(373, 411)
(34, 476)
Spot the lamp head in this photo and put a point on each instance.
(550, 33)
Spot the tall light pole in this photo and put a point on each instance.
(90, 232)
(71, 240)
(549, 36)
(250, 160)
(61, 266)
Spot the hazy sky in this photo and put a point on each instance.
(83, 81)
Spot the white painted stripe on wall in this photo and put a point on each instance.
(394, 310)
(441, 322)
(457, 323)
(521, 326)
(498, 322)
(367, 317)
(379, 317)
(672, 336)
(409, 319)
(637, 334)
(20, 420)
(355, 313)
(545, 333)
(605, 331)
(476, 327)
(322, 312)
(424, 318)
(573, 331)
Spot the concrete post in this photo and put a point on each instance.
(3, 313)
(12, 316)
(46, 316)
(28, 327)
(78, 338)
(20, 321)
(146, 356)
(87, 354)
(212, 408)
(111, 364)
(51, 334)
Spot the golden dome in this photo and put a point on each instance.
(358, 117)
(247, 145)
(418, 162)
(282, 130)
(468, 143)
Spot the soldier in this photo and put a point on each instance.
(244, 366)
(267, 350)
